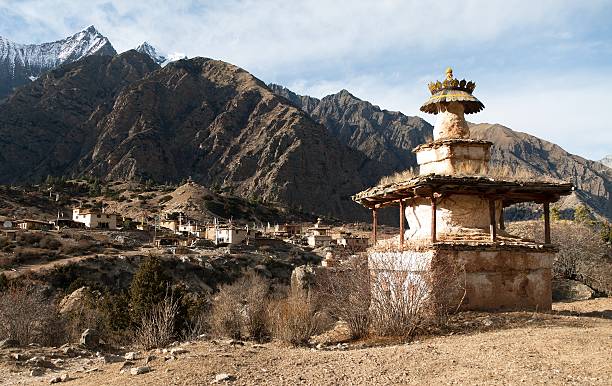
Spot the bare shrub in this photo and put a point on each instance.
(411, 294)
(28, 317)
(345, 294)
(582, 252)
(156, 327)
(296, 318)
(240, 310)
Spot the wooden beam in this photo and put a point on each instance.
(433, 220)
(401, 222)
(492, 225)
(502, 224)
(374, 225)
(546, 223)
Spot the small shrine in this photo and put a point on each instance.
(454, 210)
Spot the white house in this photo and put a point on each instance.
(230, 235)
(95, 219)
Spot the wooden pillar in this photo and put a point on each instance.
(546, 223)
(374, 225)
(502, 224)
(492, 226)
(401, 222)
(433, 220)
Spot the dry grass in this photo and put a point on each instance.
(402, 176)
(518, 173)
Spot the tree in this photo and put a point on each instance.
(149, 287)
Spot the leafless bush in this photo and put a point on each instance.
(582, 252)
(345, 293)
(28, 317)
(240, 310)
(409, 293)
(297, 317)
(157, 325)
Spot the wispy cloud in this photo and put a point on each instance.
(541, 67)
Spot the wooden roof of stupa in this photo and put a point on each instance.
(510, 192)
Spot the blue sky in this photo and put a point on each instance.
(541, 67)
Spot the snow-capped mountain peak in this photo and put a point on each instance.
(158, 58)
(148, 49)
(20, 63)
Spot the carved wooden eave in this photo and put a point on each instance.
(508, 192)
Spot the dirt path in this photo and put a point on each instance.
(525, 349)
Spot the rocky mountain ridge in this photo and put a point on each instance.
(22, 63)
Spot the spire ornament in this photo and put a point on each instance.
(452, 90)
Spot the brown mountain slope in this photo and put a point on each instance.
(201, 118)
(47, 126)
(385, 136)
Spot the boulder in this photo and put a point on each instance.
(37, 372)
(132, 356)
(90, 338)
(73, 301)
(565, 289)
(223, 377)
(178, 350)
(111, 358)
(8, 343)
(140, 370)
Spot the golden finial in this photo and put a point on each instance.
(449, 73)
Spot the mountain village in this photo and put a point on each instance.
(186, 223)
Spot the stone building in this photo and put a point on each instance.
(318, 235)
(455, 213)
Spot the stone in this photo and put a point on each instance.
(40, 362)
(178, 351)
(223, 377)
(8, 343)
(19, 356)
(132, 356)
(111, 358)
(140, 370)
(90, 338)
(73, 301)
(565, 289)
(37, 372)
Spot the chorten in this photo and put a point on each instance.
(455, 212)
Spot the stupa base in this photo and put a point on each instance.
(487, 277)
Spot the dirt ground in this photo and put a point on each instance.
(571, 345)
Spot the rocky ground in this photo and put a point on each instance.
(571, 345)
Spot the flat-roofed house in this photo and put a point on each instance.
(95, 218)
(29, 224)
